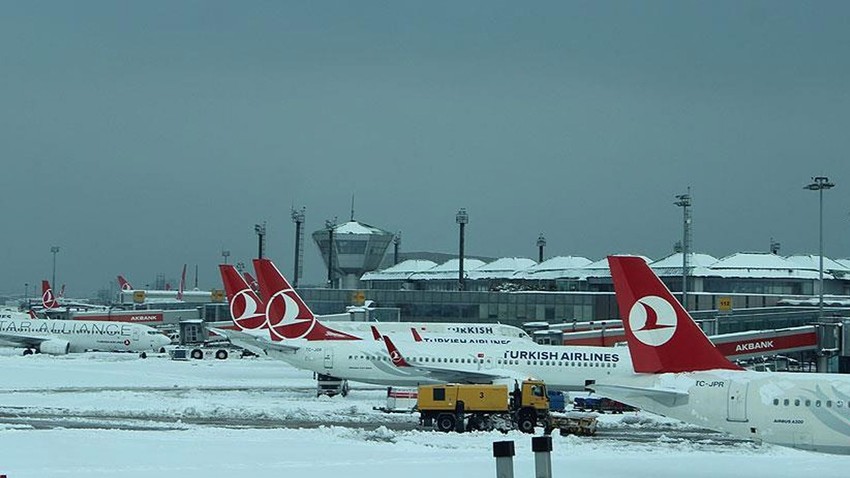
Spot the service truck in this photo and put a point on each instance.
(463, 407)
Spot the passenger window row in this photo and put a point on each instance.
(548, 363)
(809, 403)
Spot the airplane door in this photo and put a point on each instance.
(329, 358)
(135, 334)
(736, 402)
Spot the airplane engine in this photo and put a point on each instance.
(55, 347)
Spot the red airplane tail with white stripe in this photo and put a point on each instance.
(48, 300)
(287, 314)
(124, 283)
(182, 284)
(661, 334)
(247, 310)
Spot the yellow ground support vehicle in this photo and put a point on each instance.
(462, 407)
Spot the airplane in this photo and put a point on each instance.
(128, 294)
(295, 335)
(123, 283)
(248, 310)
(681, 374)
(51, 303)
(60, 337)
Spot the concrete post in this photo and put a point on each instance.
(503, 451)
(542, 448)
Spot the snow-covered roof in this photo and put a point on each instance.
(757, 265)
(553, 268)
(812, 262)
(672, 265)
(762, 265)
(695, 259)
(501, 268)
(354, 227)
(600, 267)
(447, 270)
(401, 271)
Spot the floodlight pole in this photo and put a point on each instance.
(818, 184)
(260, 229)
(396, 245)
(54, 250)
(684, 201)
(298, 217)
(462, 218)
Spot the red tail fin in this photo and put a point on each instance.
(375, 334)
(122, 282)
(247, 310)
(182, 284)
(287, 314)
(396, 357)
(416, 336)
(251, 281)
(32, 314)
(48, 300)
(661, 334)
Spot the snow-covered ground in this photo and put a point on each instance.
(99, 415)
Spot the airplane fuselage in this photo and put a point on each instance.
(81, 335)
(561, 367)
(805, 411)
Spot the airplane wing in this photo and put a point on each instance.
(445, 374)
(664, 396)
(253, 343)
(464, 376)
(22, 339)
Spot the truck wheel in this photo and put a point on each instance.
(446, 422)
(221, 354)
(197, 354)
(526, 423)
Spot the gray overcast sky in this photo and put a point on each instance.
(139, 136)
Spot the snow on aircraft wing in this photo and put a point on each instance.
(464, 376)
(253, 343)
(444, 374)
(24, 340)
(665, 396)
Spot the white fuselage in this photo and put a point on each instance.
(561, 367)
(806, 411)
(82, 335)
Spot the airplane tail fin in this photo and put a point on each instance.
(246, 308)
(62, 291)
(375, 334)
(662, 336)
(182, 284)
(48, 300)
(416, 336)
(251, 281)
(123, 283)
(287, 314)
(32, 314)
(395, 356)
